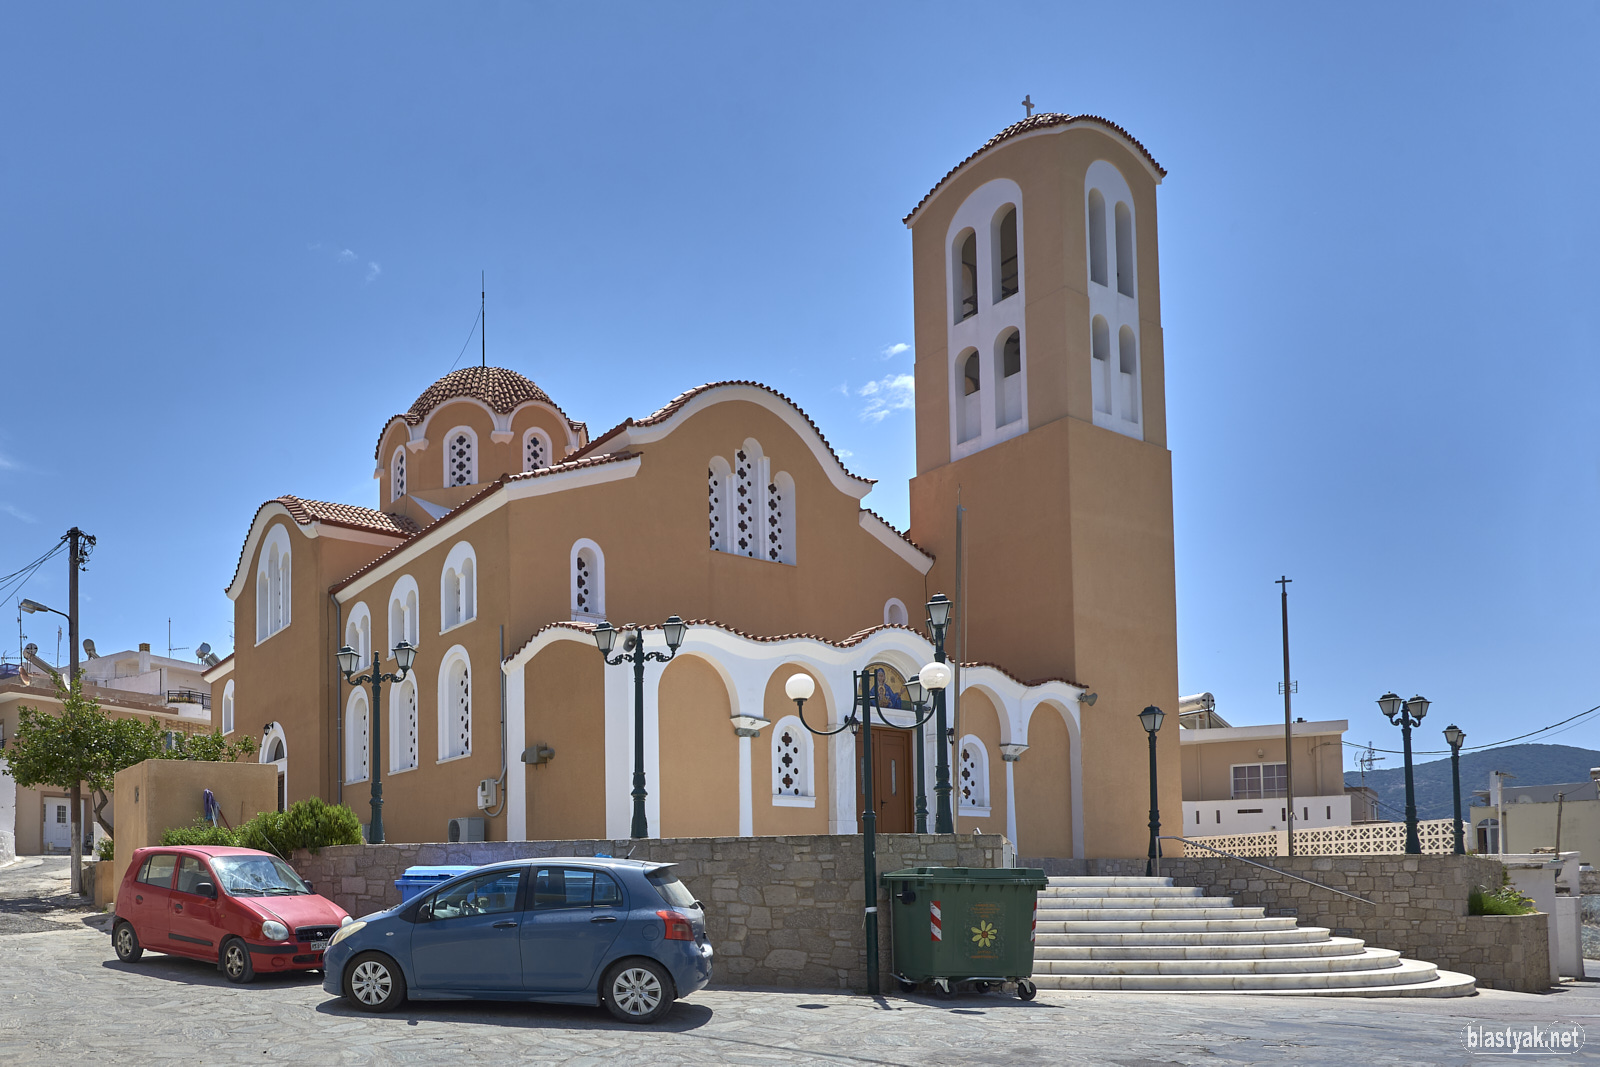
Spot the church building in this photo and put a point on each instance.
(505, 533)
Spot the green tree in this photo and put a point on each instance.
(82, 747)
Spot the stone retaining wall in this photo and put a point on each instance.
(1420, 906)
(780, 911)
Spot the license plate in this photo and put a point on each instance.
(318, 946)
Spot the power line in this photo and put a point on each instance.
(1493, 744)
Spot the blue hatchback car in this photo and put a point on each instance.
(565, 931)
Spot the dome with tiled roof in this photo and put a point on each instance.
(501, 389)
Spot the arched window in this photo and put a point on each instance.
(272, 584)
(1127, 375)
(1124, 249)
(1006, 266)
(895, 613)
(355, 737)
(1008, 362)
(397, 474)
(1100, 365)
(404, 622)
(971, 402)
(358, 633)
(461, 457)
(1097, 237)
(458, 593)
(974, 778)
(535, 450)
(588, 582)
(275, 750)
(966, 276)
(718, 480)
(791, 762)
(749, 475)
(780, 518)
(227, 707)
(403, 726)
(455, 705)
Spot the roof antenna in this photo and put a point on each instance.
(1028, 103)
(483, 303)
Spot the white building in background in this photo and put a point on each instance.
(178, 685)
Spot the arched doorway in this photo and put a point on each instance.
(893, 757)
(275, 750)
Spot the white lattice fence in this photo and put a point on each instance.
(1365, 839)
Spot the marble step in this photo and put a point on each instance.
(1372, 959)
(1102, 892)
(1121, 914)
(1445, 984)
(1333, 946)
(1405, 972)
(1133, 902)
(1164, 926)
(1101, 938)
(1108, 881)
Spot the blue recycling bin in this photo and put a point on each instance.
(417, 880)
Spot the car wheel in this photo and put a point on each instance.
(373, 982)
(637, 991)
(126, 942)
(235, 962)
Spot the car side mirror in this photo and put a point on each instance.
(206, 889)
(311, 887)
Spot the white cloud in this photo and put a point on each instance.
(896, 349)
(373, 270)
(8, 464)
(845, 453)
(17, 513)
(346, 256)
(896, 392)
(843, 388)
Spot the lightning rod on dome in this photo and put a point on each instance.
(483, 305)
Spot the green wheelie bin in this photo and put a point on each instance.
(964, 924)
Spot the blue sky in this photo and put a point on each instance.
(234, 240)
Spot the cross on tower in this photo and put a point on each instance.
(1028, 103)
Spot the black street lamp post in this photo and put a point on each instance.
(944, 821)
(1454, 736)
(1150, 718)
(349, 659)
(919, 698)
(605, 636)
(1406, 714)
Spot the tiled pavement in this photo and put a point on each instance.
(65, 1000)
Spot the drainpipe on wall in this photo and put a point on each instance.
(338, 710)
(500, 783)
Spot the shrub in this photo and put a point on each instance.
(309, 824)
(104, 849)
(1506, 900)
(199, 832)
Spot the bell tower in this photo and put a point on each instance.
(1041, 408)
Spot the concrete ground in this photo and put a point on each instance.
(64, 998)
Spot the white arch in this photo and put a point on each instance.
(274, 582)
(719, 486)
(587, 566)
(357, 737)
(405, 610)
(778, 519)
(227, 707)
(1111, 241)
(461, 456)
(536, 451)
(455, 704)
(458, 587)
(895, 613)
(746, 503)
(275, 750)
(358, 633)
(793, 757)
(405, 741)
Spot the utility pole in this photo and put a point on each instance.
(1288, 720)
(78, 546)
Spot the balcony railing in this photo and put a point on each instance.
(188, 696)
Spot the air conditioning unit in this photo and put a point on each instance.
(469, 829)
(486, 793)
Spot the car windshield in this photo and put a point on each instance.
(257, 876)
(672, 891)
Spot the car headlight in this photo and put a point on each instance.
(346, 921)
(350, 926)
(272, 930)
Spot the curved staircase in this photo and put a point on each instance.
(1146, 934)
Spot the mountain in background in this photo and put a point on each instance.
(1532, 765)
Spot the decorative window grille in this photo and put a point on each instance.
(535, 453)
(787, 773)
(776, 551)
(716, 487)
(583, 579)
(744, 504)
(462, 470)
(405, 727)
(460, 696)
(356, 738)
(974, 775)
(398, 474)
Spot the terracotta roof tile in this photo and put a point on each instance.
(1042, 121)
(501, 389)
(306, 512)
(671, 407)
(488, 490)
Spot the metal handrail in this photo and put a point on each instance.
(1263, 866)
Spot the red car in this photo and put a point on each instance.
(244, 910)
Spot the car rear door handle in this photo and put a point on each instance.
(177, 907)
(604, 919)
(504, 925)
